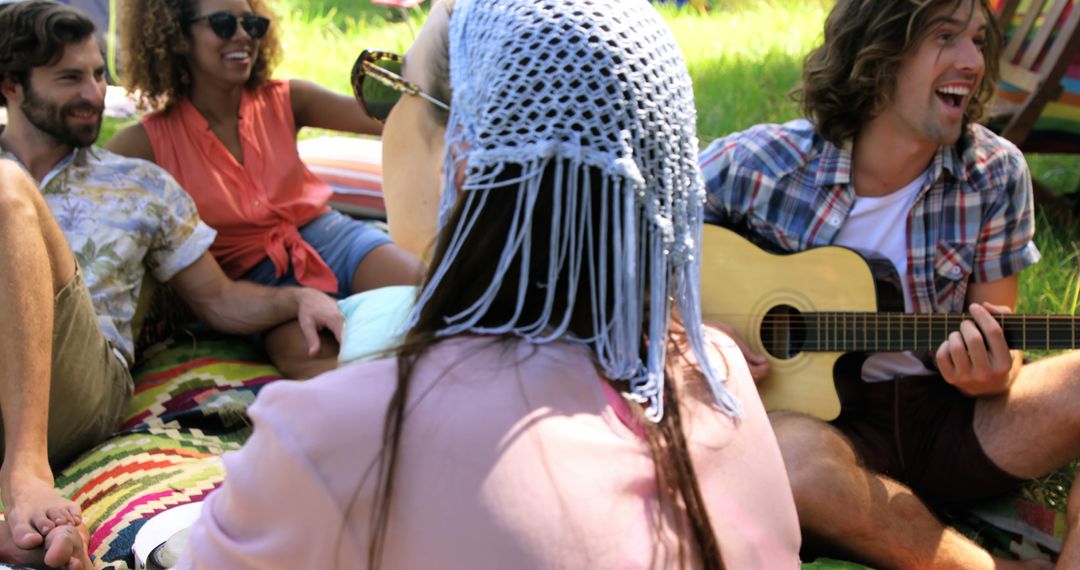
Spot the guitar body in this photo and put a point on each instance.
(742, 284)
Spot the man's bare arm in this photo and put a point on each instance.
(241, 307)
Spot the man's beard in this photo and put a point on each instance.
(50, 118)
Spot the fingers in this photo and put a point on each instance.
(997, 309)
(991, 329)
(758, 371)
(64, 548)
(336, 324)
(943, 357)
(952, 359)
(311, 335)
(976, 358)
(759, 365)
(318, 310)
(972, 349)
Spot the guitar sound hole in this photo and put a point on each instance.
(783, 332)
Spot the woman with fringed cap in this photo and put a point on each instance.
(555, 402)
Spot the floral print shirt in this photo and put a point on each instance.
(123, 217)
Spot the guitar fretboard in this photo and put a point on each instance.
(895, 332)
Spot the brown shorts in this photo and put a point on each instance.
(90, 387)
(919, 431)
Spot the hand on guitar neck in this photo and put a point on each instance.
(976, 359)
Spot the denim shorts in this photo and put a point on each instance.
(341, 242)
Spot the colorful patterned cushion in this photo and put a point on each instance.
(187, 410)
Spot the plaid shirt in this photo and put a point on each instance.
(972, 220)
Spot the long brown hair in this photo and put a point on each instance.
(851, 77)
(467, 278)
(151, 31)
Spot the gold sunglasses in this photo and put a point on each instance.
(377, 83)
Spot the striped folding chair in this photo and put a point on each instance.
(1037, 105)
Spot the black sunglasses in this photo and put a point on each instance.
(386, 84)
(224, 24)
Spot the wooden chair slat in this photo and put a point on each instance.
(1038, 43)
(1016, 41)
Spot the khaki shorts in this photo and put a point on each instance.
(91, 386)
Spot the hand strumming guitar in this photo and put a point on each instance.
(759, 366)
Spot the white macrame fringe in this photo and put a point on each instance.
(575, 252)
(634, 125)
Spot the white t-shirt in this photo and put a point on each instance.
(871, 229)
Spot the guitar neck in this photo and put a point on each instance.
(897, 332)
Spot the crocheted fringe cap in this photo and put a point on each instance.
(568, 86)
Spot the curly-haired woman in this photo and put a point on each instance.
(227, 132)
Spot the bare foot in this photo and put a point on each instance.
(64, 547)
(33, 507)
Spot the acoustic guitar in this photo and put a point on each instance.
(806, 311)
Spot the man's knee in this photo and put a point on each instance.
(23, 209)
(817, 455)
(19, 196)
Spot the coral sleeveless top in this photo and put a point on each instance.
(256, 207)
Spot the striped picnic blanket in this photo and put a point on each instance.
(188, 409)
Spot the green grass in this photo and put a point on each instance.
(744, 55)
(322, 38)
(744, 60)
(110, 127)
(1052, 285)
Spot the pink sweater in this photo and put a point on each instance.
(512, 457)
